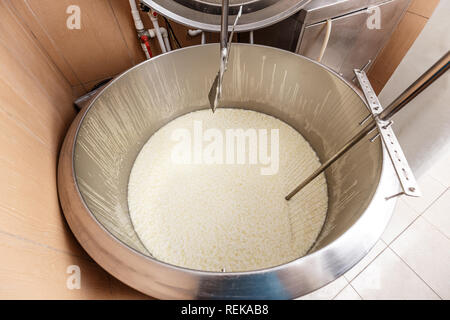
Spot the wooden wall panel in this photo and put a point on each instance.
(35, 109)
(122, 12)
(31, 22)
(401, 40)
(36, 246)
(423, 8)
(32, 271)
(106, 44)
(96, 51)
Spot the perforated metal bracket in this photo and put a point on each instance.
(404, 173)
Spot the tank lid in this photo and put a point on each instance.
(205, 14)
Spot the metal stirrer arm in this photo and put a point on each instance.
(223, 42)
(224, 25)
(225, 47)
(427, 78)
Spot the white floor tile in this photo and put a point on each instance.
(376, 250)
(402, 217)
(427, 252)
(328, 292)
(431, 190)
(441, 171)
(439, 214)
(388, 277)
(348, 294)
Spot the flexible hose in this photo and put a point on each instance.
(325, 40)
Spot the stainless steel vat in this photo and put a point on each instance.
(103, 141)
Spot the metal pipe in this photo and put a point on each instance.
(427, 78)
(224, 25)
(203, 39)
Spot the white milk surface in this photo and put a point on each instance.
(215, 216)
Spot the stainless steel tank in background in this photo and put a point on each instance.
(206, 14)
(359, 31)
(104, 140)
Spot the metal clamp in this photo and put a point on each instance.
(404, 173)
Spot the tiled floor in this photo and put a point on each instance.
(412, 258)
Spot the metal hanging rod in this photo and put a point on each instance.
(382, 120)
(225, 47)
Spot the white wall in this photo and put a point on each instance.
(423, 126)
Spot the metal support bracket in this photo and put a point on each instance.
(404, 173)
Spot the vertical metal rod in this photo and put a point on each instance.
(223, 49)
(224, 25)
(427, 78)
